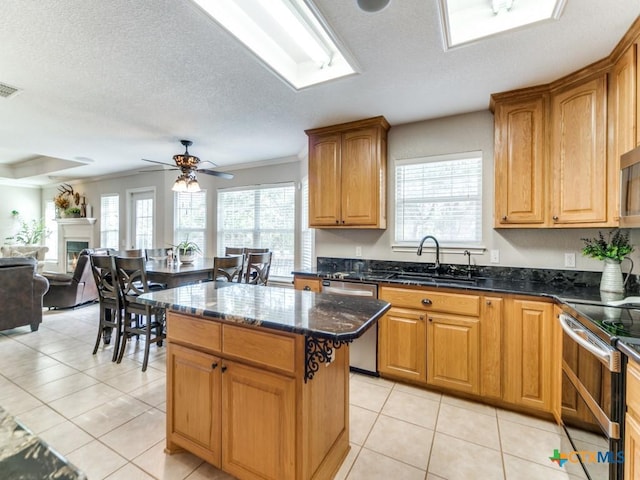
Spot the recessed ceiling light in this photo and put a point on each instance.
(465, 21)
(289, 36)
(373, 5)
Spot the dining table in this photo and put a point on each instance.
(176, 274)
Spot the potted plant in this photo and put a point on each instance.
(187, 250)
(612, 249)
(32, 233)
(72, 212)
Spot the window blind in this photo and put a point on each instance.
(260, 216)
(440, 196)
(110, 221)
(307, 234)
(51, 226)
(190, 218)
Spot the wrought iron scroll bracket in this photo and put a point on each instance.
(318, 351)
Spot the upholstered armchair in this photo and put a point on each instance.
(21, 292)
(67, 291)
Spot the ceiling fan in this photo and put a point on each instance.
(188, 165)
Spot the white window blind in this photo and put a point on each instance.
(439, 196)
(110, 221)
(307, 236)
(51, 225)
(260, 216)
(190, 218)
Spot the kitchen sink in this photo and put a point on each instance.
(427, 279)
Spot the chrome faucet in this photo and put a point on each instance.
(437, 265)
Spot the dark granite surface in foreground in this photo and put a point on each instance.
(23, 456)
(336, 317)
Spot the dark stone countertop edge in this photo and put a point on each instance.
(243, 320)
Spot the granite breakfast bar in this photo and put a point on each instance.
(258, 377)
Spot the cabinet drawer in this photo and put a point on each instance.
(272, 350)
(430, 300)
(633, 388)
(194, 331)
(302, 283)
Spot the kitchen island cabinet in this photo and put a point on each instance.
(258, 377)
(632, 422)
(347, 175)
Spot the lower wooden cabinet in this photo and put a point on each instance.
(453, 356)
(306, 283)
(528, 364)
(632, 423)
(258, 428)
(237, 398)
(402, 344)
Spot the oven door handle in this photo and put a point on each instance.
(605, 355)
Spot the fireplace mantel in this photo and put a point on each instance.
(76, 221)
(74, 230)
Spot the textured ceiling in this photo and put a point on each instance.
(106, 83)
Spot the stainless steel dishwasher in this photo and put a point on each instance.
(363, 351)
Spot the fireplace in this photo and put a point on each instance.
(74, 234)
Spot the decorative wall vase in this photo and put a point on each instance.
(612, 280)
(187, 257)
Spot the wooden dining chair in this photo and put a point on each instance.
(139, 252)
(139, 319)
(155, 253)
(258, 266)
(233, 251)
(103, 268)
(228, 268)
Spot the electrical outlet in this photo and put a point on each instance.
(495, 256)
(358, 251)
(570, 260)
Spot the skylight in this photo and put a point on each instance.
(289, 36)
(465, 21)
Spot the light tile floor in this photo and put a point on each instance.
(109, 419)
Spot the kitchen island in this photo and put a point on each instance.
(258, 377)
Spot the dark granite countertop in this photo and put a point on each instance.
(24, 456)
(336, 317)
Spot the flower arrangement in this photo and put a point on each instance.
(65, 196)
(32, 233)
(616, 246)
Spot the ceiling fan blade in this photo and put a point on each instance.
(158, 170)
(159, 163)
(215, 173)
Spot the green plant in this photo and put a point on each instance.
(15, 213)
(186, 246)
(33, 232)
(616, 246)
(72, 211)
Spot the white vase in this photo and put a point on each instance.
(612, 280)
(187, 257)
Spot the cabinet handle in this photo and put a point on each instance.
(343, 222)
(430, 319)
(224, 368)
(214, 365)
(555, 218)
(426, 301)
(504, 218)
(307, 288)
(489, 302)
(337, 221)
(421, 317)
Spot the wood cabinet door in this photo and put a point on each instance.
(360, 182)
(193, 402)
(529, 369)
(578, 154)
(309, 284)
(453, 352)
(491, 347)
(623, 103)
(258, 423)
(402, 344)
(520, 163)
(631, 448)
(324, 180)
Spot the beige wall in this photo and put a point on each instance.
(27, 201)
(543, 248)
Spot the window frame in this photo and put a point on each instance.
(179, 234)
(475, 247)
(102, 213)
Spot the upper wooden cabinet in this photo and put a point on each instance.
(558, 145)
(347, 175)
(578, 154)
(520, 162)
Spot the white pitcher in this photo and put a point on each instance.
(612, 280)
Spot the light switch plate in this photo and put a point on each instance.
(358, 251)
(495, 256)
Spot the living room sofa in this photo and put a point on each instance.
(21, 293)
(35, 251)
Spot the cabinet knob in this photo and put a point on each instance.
(504, 218)
(343, 222)
(488, 302)
(555, 218)
(430, 319)
(214, 365)
(337, 221)
(421, 317)
(307, 288)
(224, 368)
(426, 301)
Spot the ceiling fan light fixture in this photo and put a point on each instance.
(193, 186)
(180, 185)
